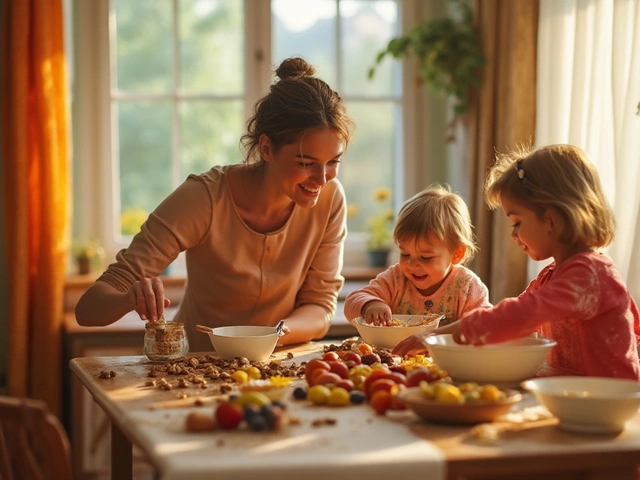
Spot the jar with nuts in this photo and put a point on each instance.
(165, 342)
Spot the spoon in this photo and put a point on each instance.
(204, 329)
(279, 326)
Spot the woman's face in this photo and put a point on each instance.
(302, 169)
(427, 262)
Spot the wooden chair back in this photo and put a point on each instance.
(33, 443)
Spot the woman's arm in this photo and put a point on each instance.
(102, 304)
(306, 323)
(101, 297)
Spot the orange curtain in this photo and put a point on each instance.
(502, 118)
(36, 190)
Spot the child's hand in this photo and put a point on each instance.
(377, 313)
(411, 345)
(416, 343)
(453, 329)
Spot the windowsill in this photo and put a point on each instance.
(350, 274)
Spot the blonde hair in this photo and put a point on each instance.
(558, 177)
(439, 211)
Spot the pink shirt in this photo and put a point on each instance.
(461, 292)
(234, 274)
(583, 305)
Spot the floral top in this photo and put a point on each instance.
(583, 305)
(461, 292)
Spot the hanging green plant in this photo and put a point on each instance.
(449, 53)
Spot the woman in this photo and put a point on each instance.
(263, 239)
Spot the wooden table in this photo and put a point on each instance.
(399, 443)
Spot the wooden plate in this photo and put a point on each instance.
(457, 414)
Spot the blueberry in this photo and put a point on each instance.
(300, 393)
(356, 397)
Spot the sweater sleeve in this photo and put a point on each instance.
(573, 293)
(382, 288)
(178, 223)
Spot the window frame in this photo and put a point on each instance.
(94, 172)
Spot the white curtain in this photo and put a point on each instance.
(588, 87)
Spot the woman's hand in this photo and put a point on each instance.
(285, 330)
(147, 298)
(378, 313)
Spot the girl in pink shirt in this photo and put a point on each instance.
(435, 238)
(554, 199)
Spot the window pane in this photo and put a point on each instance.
(306, 29)
(210, 134)
(144, 134)
(369, 161)
(143, 45)
(212, 46)
(367, 27)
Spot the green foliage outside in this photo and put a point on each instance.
(449, 53)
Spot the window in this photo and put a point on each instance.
(162, 88)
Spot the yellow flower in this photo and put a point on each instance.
(131, 220)
(382, 193)
(352, 210)
(380, 225)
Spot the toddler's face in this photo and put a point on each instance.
(426, 262)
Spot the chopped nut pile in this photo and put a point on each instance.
(209, 370)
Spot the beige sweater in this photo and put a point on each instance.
(235, 275)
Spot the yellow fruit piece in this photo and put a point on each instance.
(447, 393)
(427, 389)
(469, 387)
(471, 396)
(339, 397)
(490, 392)
(318, 394)
(240, 376)
(364, 370)
(253, 372)
(279, 381)
(255, 398)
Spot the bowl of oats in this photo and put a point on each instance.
(402, 327)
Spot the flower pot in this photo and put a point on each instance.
(84, 265)
(377, 258)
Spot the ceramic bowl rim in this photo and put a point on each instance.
(536, 385)
(540, 343)
(216, 334)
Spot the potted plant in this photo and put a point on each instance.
(379, 229)
(449, 54)
(88, 255)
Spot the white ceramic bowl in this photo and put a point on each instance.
(507, 363)
(253, 343)
(588, 404)
(389, 337)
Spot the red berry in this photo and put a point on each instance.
(229, 415)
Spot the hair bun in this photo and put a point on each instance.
(295, 67)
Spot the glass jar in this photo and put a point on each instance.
(165, 342)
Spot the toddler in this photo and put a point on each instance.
(555, 202)
(435, 238)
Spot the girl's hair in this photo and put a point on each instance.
(439, 211)
(558, 177)
(297, 103)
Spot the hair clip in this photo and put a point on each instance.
(519, 170)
